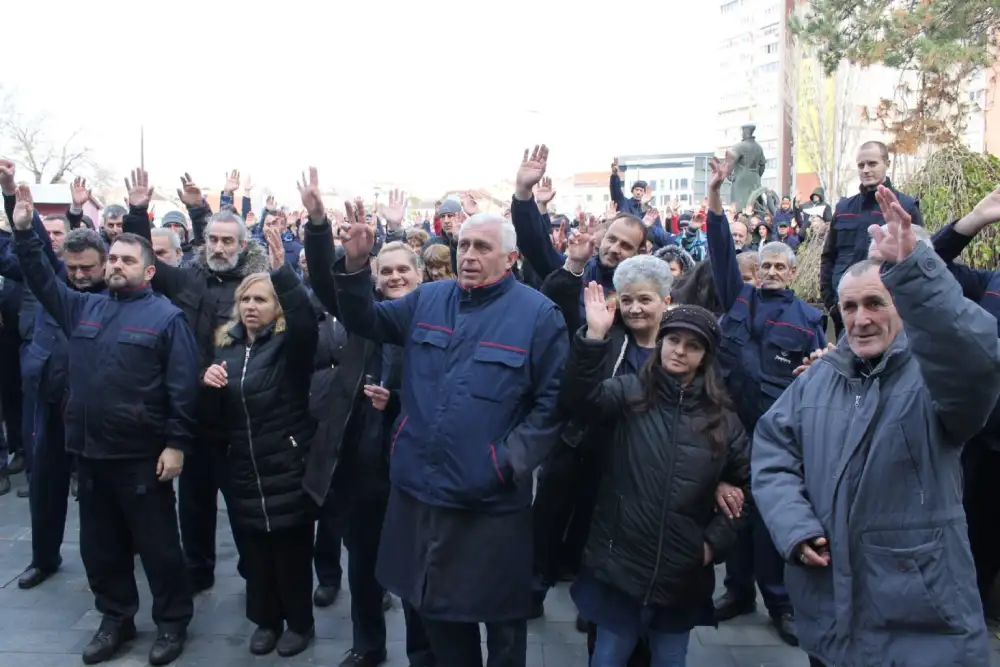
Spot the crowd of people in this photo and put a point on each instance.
(482, 405)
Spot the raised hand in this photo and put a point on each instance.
(216, 376)
(614, 166)
(189, 193)
(544, 192)
(720, 171)
(898, 241)
(652, 215)
(232, 182)
(271, 204)
(559, 237)
(139, 191)
(312, 200)
(24, 208)
(357, 236)
(7, 171)
(532, 169)
(469, 204)
(395, 211)
(647, 195)
(580, 248)
(611, 211)
(247, 185)
(275, 248)
(600, 312)
(79, 192)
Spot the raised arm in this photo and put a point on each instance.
(532, 236)
(182, 374)
(721, 248)
(529, 443)
(585, 392)
(615, 187)
(778, 478)
(385, 322)
(168, 280)
(939, 321)
(301, 324)
(320, 257)
(64, 304)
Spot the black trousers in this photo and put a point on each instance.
(198, 494)
(123, 504)
(459, 644)
(813, 662)
(364, 530)
(48, 486)
(982, 467)
(418, 646)
(278, 570)
(10, 392)
(329, 539)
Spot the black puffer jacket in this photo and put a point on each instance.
(656, 503)
(266, 407)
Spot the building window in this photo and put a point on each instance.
(771, 48)
(590, 198)
(772, 163)
(684, 184)
(684, 197)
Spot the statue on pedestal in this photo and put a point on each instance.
(749, 165)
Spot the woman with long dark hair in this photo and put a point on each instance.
(655, 532)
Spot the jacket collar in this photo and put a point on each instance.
(239, 333)
(131, 293)
(871, 191)
(671, 391)
(851, 366)
(490, 291)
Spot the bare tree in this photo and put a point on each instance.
(827, 123)
(31, 146)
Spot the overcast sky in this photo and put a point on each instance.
(431, 95)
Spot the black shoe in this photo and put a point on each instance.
(4, 483)
(264, 640)
(23, 492)
(107, 641)
(728, 607)
(537, 610)
(325, 595)
(167, 647)
(292, 643)
(581, 624)
(785, 625)
(33, 576)
(355, 659)
(386, 601)
(16, 465)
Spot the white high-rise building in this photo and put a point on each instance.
(754, 82)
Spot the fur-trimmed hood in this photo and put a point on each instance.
(670, 253)
(252, 260)
(233, 332)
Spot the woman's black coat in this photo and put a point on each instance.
(656, 504)
(265, 405)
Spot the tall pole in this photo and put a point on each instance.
(142, 148)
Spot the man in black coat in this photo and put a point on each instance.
(204, 291)
(129, 419)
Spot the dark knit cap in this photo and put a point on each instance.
(695, 319)
(639, 184)
(173, 218)
(450, 206)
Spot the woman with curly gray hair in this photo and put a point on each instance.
(678, 258)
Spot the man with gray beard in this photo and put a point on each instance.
(205, 291)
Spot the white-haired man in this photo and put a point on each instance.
(856, 468)
(483, 358)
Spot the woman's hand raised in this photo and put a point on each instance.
(600, 313)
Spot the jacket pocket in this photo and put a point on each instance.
(429, 348)
(909, 586)
(497, 371)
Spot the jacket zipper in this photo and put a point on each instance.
(663, 506)
(253, 459)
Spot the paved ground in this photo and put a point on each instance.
(48, 626)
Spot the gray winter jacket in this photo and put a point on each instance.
(871, 461)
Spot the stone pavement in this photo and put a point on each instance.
(49, 625)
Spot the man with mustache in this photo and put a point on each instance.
(205, 292)
(130, 418)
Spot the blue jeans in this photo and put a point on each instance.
(614, 649)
